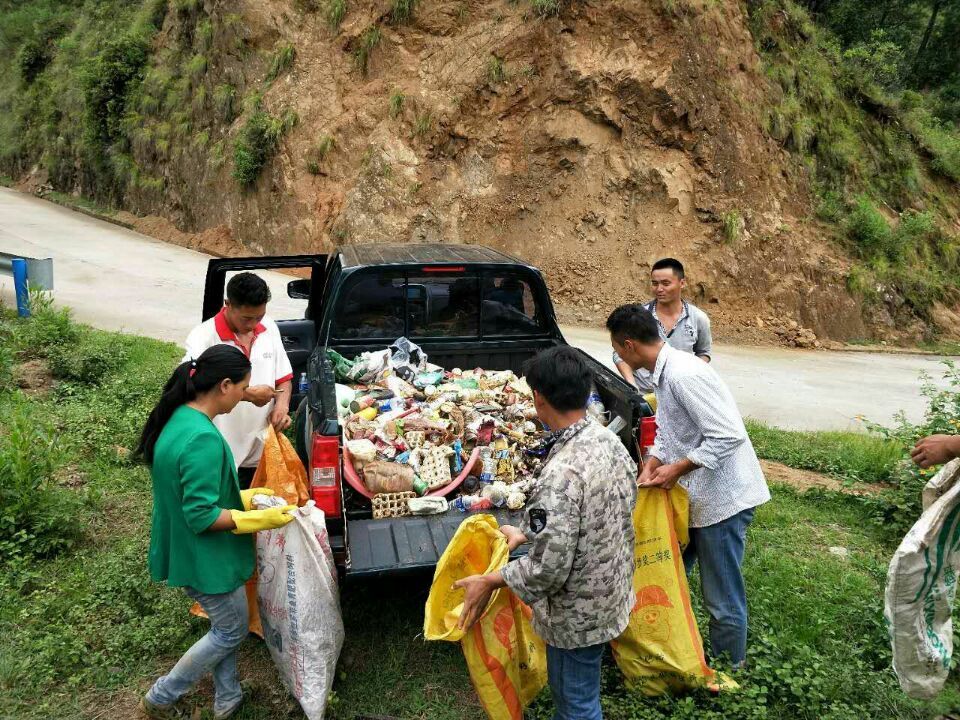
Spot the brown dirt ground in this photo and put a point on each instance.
(806, 480)
(33, 377)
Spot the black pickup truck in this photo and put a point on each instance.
(364, 297)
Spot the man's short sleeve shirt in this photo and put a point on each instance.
(269, 365)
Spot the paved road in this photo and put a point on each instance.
(117, 279)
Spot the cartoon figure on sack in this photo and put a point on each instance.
(651, 621)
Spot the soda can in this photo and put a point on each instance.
(459, 504)
(362, 403)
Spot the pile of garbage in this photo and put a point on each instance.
(414, 428)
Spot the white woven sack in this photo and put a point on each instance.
(921, 586)
(300, 606)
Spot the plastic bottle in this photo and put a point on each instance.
(488, 470)
(595, 406)
(304, 383)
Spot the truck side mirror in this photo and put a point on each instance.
(299, 289)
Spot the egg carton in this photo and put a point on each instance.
(435, 467)
(388, 505)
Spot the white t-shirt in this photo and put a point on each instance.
(243, 426)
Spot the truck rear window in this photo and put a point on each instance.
(436, 305)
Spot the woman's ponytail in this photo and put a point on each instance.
(190, 379)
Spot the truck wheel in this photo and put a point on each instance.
(301, 432)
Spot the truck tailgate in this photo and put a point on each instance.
(389, 545)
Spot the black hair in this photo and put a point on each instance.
(192, 378)
(669, 264)
(633, 322)
(247, 290)
(561, 376)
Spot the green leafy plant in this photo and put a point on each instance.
(88, 360)
(867, 227)
(107, 81)
(47, 329)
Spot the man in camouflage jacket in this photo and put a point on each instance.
(578, 574)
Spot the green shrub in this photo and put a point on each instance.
(368, 41)
(107, 80)
(46, 329)
(868, 228)
(898, 508)
(830, 207)
(257, 142)
(88, 360)
(32, 58)
(281, 62)
(39, 518)
(335, 12)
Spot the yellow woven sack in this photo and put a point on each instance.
(506, 660)
(661, 649)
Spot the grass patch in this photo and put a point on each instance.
(85, 627)
(397, 99)
(335, 12)
(368, 41)
(848, 456)
(732, 224)
(496, 73)
(545, 8)
(402, 10)
(318, 152)
(281, 61)
(423, 124)
(80, 202)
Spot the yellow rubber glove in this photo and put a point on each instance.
(247, 496)
(250, 521)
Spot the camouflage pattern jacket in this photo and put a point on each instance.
(578, 574)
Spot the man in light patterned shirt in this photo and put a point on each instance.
(703, 444)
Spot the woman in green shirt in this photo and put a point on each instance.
(196, 501)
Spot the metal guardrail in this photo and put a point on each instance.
(39, 270)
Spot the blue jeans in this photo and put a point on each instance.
(215, 652)
(719, 548)
(574, 677)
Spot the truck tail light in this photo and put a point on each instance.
(648, 435)
(325, 474)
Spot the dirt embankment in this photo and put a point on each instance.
(590, 144)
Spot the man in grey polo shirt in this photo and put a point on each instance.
(702, 444)
(683, 325)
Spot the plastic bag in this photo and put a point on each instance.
(281, 470)
(661, 649)
(507, 661)
(300, 606)
(362, 452)
(407, 358)
(921, 586)
(388, 477)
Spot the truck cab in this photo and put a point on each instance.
(466, 306)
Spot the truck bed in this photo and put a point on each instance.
(392, 545)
